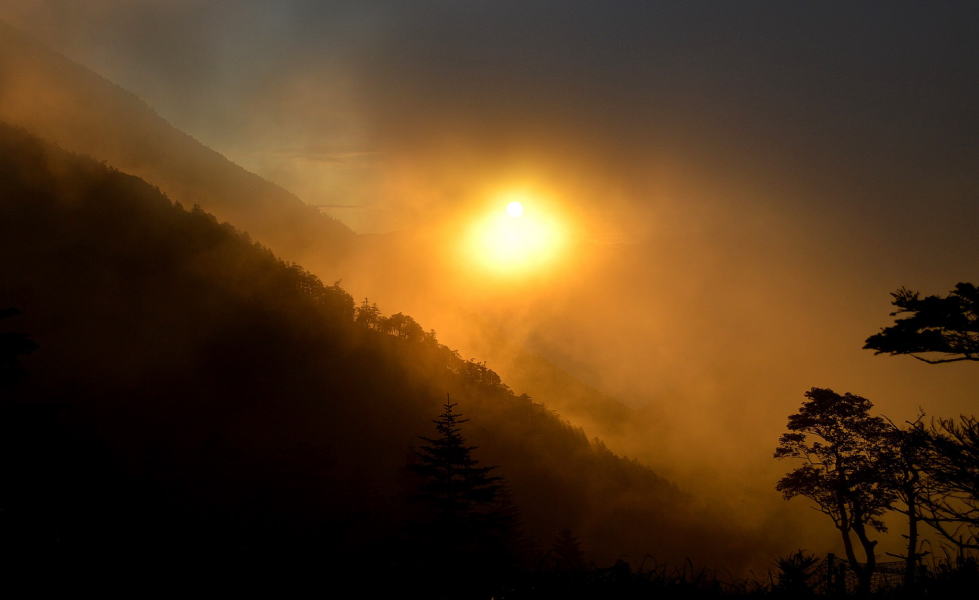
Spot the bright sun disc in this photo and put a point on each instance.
(516, 240)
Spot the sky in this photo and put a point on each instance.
(331, 98)
(752, 178)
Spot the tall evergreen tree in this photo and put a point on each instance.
(454, 483)
(469, 530)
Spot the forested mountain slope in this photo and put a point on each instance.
(65, 102)
(192, 393)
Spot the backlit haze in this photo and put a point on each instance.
(697, 209)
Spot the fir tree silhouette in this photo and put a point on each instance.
(454, 483)
(470, 529)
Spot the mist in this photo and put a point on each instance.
(743, 184)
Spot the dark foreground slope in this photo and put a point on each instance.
(195, 400)
(77, 109)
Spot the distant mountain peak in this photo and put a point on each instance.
(83, 112)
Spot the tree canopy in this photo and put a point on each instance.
(840, 445)
(954, 469)
(947, 326)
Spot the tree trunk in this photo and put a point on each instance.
(851, 557)
(911, 560)
(865, 572)
(845, 527)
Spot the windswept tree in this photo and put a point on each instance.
(840, 446)
(944, 328)
(905, 469)
(954, 471)
(947, 329)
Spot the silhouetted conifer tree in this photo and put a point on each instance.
(944, 325)
(453, 482)
(367, 314)
(471, 527)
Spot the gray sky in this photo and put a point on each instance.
(870, 103)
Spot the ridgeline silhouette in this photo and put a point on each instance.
(88, 114)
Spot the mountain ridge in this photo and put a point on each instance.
(82, 111)
(209, 371)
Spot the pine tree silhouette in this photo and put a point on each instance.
(470, 527)
(454, 483)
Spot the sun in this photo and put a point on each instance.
(517, 236)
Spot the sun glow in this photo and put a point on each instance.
(518, 236)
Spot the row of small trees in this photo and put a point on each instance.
(856, 466)
(400, 325)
